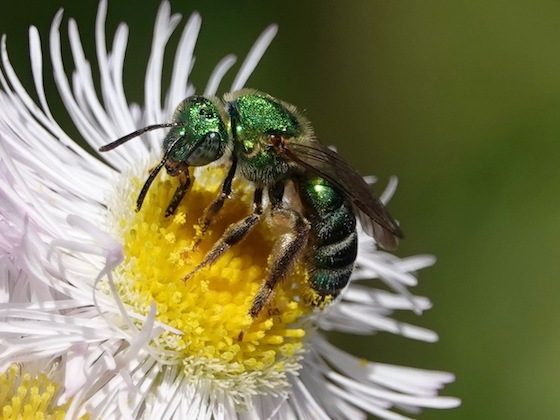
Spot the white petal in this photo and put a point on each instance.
(219, 72)
(184, 60)
(254, 56)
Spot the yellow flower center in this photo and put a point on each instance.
(26, 396)
(211, 308)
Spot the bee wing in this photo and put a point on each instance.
(328, 164)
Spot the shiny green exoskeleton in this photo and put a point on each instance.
(334, 242)
(274, 147)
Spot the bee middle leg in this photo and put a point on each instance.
(233, 234)
(285, 252)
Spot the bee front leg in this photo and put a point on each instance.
(233, 234)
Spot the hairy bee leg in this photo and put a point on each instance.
(286, 250)
(184, 184)
(233, 234)
(213, 209)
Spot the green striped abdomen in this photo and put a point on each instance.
(333, 243)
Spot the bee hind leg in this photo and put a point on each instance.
(286, 250)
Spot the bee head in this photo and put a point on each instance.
(199, 137)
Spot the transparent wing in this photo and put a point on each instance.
(328, 164)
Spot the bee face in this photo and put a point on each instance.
(201, 134)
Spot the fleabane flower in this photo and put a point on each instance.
(96, 316)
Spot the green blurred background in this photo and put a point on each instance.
(460, 99)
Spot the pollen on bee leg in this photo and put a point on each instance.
(318, 300)
(220, 340)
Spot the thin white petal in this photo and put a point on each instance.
(183, 63)
(164, 27)
(217, 75)
(390, 190)
(254, 56)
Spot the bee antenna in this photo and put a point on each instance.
(134, 134)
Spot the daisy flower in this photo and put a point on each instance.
(96, 319)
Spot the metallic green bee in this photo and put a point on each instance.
(273, 145)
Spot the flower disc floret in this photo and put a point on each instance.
(219, 338)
